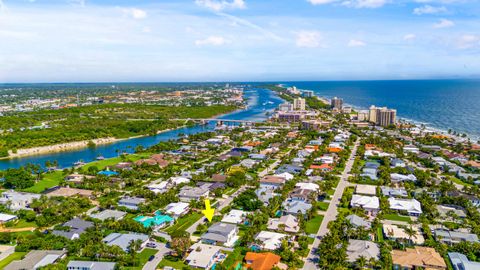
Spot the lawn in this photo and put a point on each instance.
(143, 256)
(49, 180)
(460, 182)
(396, 217)
(175, 264)
(23, 224)
(13, 257)
(323, 206)
(101, 164)
(311, 227)
(379, 234)
(233, 258)
(184, 222)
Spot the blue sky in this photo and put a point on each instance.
(237, 40)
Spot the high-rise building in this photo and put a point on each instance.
(299, 104)
(336, 103)
(382, 116)
(285, 107)
(307, 93)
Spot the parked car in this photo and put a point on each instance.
(151, 258)
(151, 245)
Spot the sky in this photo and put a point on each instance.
(237, 40)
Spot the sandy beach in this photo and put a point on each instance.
(59, 147)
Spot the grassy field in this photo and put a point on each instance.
(233, 258)
(311, 227)
(184, 222)
(49, 180)
(323, 206)
(23, 224)
(396, 217)
(379, 234)
(101, 164)
(177, 265)
(13, 257)
(144, 255)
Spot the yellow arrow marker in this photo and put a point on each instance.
(208, 212)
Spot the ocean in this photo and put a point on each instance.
(439, 104)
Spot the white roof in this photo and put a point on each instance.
(179, 180)
(370, 202)
(409, 205)
(235, 216)
(270, 240)
(402, 177)
(308, 186)
(6, 217)
(366, 189)
(201, 255)
(286, 175)
(176, 208)
(393, 231)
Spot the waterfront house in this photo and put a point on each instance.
(123, 240)
(222, 234)
(417, 258)
(269, 240)
(360, 248)
(131, 203)
(90, 265)
(411, 206)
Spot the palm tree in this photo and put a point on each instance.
(361, 262)
(410, 231)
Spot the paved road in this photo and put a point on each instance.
(332, 211)
(162, 251)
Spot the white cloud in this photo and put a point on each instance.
(468, 41)
(146, 29)
(321, 2)
(213, 41)
(356, 43)
(2, 6)
(427, 9)
(309, 39)
(364, 3)
(239, 21)
(135, 13)
(444, 23)
(81, 3)
(219, 5)
(409, 37)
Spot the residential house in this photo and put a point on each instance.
(219, 177)
(370, 170)
(394, 232)
(288, 223)
(177, 209)
(396, 162)
(357, 221)
(177, 180)
(307, 186)
(90, 265)
(411, 206)
(248, 163)
(474, 200)
(6, 218)
(290, 168)
(269, 240)
(76, 228)
(272, 181)
(447, 211)
(454, 237)
(360, 248)
(37, 259)
(222, 234)
(366, 190)
(131, 203)
(235, 217)
(109, 214)
(371, 204)
(258, 156)
(394, 192)
(159, 188)
(322, 168)
(303, 195)
(123, 240)
(203, 256)
(461, 262)
(295, 207)
(18, 200)
(264, 194)
(417, 258)
(188, 193)
(411, 149)
(261, 261)
(396, 177)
